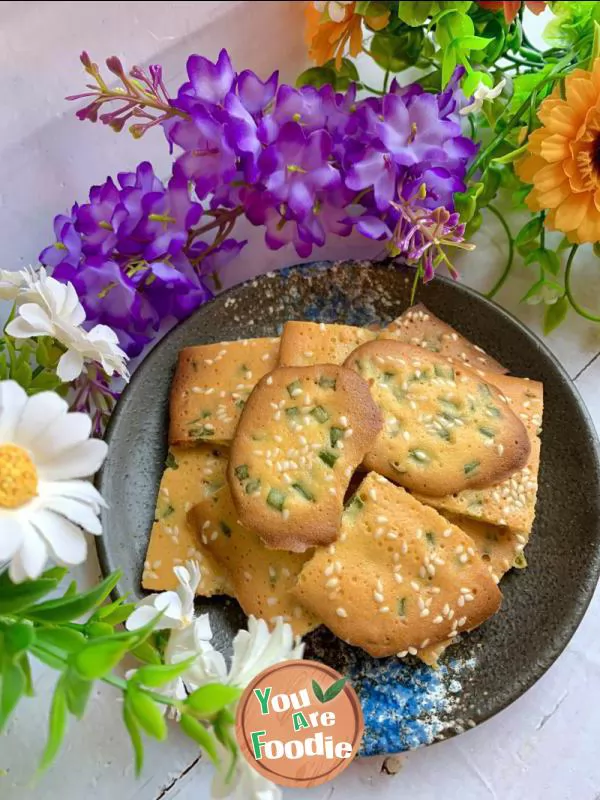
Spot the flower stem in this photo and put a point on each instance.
(110, 679)
(569, 292)
(511, 254)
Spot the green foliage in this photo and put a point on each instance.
(83, 652)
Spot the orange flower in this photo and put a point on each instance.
(563, 163)
(511, 9)
(330, 26)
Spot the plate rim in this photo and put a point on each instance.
(540, 668)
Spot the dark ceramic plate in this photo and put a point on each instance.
(405, 703)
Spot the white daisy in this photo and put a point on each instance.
(44, 452)
(47, 307)
(258, 648)
(481, 94)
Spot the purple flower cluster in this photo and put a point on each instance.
(306, 162)
(126, 252)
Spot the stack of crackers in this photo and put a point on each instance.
(378, 482)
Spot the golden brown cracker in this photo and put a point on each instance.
(190, 475)
(419, 327)
(306, 343)
(400, 578)
(445, 428)
(211, 385)
(302, 433)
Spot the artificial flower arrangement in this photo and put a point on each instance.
(410, 164)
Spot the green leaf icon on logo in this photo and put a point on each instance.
(329, 694)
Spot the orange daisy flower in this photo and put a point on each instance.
(563, 161)
(330, 26)
(511, 9)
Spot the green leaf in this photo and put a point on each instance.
(396, 53)
(147, 653)
(147, 713)
(334, 689)
(11, 690)
(23, 374)
(57, 726)
(416, 14)
(318, 692)
(549, 261)
(18, 638)
(492, 178)
(316, 76)
(61, 639)
(70, 608)
(448, 65)
(196, 731)
(115, 613)
(136, 739)
(16, 597)
(472, 81)
(96, 630)
(26, 667)
(555, 314)
(77, 691)
(345, 75)
(533, 290)
(99, 657)
(473, 225)
(530, 231)
(211, 698)
(152, 675)
(473, 42)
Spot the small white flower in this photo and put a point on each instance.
(178, 606)
(47, 307)
(258, 648)
(481, 94)
(11, 284)
(44, 452)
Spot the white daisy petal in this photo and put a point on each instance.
(83, 491)
(33, 553)
(11, 536)
(66, 433)
(78, 462)
(16, 571)
(20, 329)
(40, 413)
(12, 402)
(70, 366)
(79, 513)
(66, 540)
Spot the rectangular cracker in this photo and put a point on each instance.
(400, 578)
(211, 385)
(418, 326)
(188, 477)
(512, 502)
(307, 343)
(261, 579)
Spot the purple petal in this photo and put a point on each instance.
(210, 82)
(255, 94)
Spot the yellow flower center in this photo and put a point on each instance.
(18, 477)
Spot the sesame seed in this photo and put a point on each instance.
(372, 494)
(328, 570)
(447, 533)
(463, 558)
(437, 620)
(382, 520)
(391, 535)
(398, 578)
(412, 651)
(379, 598)
(402, 654)
(269, 381)
(332, 583)
(462, 621)
(383, 609)
(461, 600)
(341, 612)
(424, 613)
(416, 586)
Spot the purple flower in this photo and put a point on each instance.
(253, 93)
(208, 83)
(297, 166)
(67, 248)
(208, 159)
